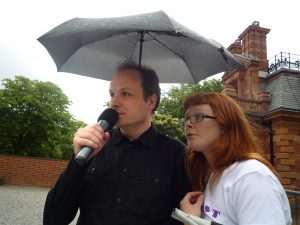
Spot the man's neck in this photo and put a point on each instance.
(134, 132)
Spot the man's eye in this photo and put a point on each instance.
(126, 93)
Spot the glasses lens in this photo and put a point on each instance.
(197, 118)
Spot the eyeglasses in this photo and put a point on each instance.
(195, 118)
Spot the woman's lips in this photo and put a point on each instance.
(189, 134)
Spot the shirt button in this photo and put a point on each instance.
(124, 170)
(156, 180)
(129, 145)
(118, 200)
(93, 169)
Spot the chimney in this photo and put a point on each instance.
(236, 47)
(254, 43)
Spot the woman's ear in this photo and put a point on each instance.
(222, 130)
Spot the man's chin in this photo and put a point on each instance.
(120, 124)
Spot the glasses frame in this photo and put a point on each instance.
(195, 118)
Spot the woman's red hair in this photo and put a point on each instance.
(237, 143)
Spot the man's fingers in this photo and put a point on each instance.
(93, 133)
(89, 136)
(98, 149)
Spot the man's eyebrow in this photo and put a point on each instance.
(122, 89)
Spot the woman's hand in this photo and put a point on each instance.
(191, 203)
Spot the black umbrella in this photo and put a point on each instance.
(93, 47)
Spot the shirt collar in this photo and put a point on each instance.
(147, 138)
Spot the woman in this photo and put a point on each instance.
(238, 184)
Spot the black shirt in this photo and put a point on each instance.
(127, 183)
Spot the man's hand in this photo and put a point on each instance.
(91, 136)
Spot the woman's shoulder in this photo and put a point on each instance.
(251, 167)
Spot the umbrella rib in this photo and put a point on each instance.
(164, 45)
(141, 47)
(171, 51)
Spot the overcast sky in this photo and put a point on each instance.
(23, 21)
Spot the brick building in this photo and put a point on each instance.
(269, 93)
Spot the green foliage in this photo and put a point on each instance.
(168, 125)
(171, 101)
(35, 120)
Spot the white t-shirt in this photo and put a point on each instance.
(247, 193)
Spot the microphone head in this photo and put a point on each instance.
(110, 116)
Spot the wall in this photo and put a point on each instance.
(287, 152)
(30, 171)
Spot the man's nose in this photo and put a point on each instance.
(114, 102)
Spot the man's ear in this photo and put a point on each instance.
(152, 102)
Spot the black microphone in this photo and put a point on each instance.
(107, 121)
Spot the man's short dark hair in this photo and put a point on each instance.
(149, 78)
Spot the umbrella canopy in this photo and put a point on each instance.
(94, 47)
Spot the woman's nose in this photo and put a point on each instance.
(187, 123)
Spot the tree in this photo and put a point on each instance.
(168, 125)
(171, 110)
(35, 120)
(171, 102)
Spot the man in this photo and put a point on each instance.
(135, 175)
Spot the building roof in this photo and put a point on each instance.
(285, 93)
